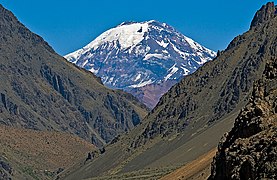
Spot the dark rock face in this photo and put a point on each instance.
(6, 171)
(266, 13)
(40, 90)
(249, 150)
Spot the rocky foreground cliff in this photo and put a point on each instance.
(249, 150)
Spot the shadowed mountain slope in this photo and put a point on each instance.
(249, 150)
(41, 90)
(190, 119)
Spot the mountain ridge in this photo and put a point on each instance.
(41, 90)
(249, 149)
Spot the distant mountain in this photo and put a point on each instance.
(143, 58)
(193, 115)
(41, 90)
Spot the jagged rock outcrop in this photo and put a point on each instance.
(6, 171)
(266, 13)
(249, 150)
(40, 90)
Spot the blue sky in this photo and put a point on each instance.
(70, 24)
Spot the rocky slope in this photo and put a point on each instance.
(41, 90)
(29, 154)
(190, 119)
(249, 150)
(219, 88)
(141, 56)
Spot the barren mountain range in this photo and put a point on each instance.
(59, 121)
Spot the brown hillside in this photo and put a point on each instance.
(197, 169)
(40, 154)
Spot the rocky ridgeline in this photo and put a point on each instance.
(40, 90)
(249, 150)
(216, 90)
(266, 13)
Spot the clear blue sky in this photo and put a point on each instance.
(70, 24)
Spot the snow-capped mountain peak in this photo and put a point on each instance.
(127, 34)
(133, 55)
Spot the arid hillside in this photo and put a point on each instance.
(37, 154)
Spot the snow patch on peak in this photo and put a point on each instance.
(151, 21)
(172, 70)
(192, 43)
(141, 84)
(159, 56)
(197, 46)
(94, 71)
(138, 77)
(162, 44)
(127, 35)
(74, 56)
(185, 71)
